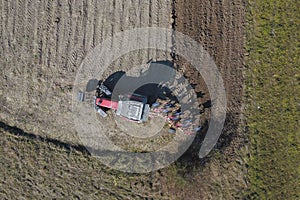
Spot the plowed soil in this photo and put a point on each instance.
(42, 46)
(219, 27)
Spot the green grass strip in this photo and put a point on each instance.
(273, 98)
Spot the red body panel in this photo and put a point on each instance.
(106, 103)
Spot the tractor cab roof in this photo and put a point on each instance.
(133, 107)
(130, 109)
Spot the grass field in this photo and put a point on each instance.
(273, 97)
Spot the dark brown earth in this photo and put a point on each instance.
(219, 27)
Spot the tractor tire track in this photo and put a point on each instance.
(58, 35)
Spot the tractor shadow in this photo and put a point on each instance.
(151, 83)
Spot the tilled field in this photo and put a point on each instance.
(42, 46)
(219, 27)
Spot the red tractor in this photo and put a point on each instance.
(131, 106)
